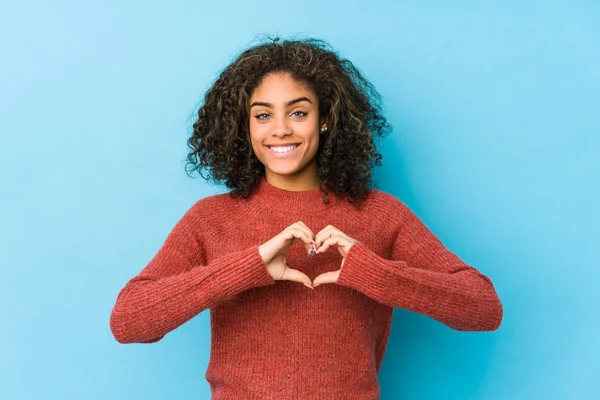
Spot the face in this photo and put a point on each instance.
(284, 130)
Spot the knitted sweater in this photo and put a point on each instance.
(279, 339)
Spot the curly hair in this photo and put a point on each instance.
(220, 141)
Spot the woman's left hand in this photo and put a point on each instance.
(332, 236)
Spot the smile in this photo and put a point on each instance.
(283, 152)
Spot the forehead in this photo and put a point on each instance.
(281, 86)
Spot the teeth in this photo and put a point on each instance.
(284, 149)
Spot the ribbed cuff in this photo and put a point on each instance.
(242, 270)
(367, 272)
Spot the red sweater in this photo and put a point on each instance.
(279, 339)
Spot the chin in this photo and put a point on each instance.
(284, 171)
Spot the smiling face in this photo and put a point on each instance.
(284, 130)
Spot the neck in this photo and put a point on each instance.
(307, 179)
(293, 202)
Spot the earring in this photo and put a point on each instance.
(323, 129)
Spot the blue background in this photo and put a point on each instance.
(495, 146)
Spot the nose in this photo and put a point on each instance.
(282, 127)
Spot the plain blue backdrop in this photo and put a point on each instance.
(495, 109)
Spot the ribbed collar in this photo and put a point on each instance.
(267, 196)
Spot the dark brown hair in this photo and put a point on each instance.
(220, 141)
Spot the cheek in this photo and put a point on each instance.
(257, 131)
(256, 140)
(257, 148)
(310, 133)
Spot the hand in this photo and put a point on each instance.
(331, 236)
(274, 251)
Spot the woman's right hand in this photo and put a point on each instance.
(274, 251)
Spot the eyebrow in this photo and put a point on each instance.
(289, 103)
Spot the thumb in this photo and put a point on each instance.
(296, 276)
(327, 277)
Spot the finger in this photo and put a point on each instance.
(333, 240)
(295, 234)
(310, 233)
(311, 249)
(294, 275)
(327, 277)
(332, 231)
(302, 226)
(324, 234)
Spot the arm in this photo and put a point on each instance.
(177, 284)
(425, 277)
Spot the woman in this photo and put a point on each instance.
(290, 127)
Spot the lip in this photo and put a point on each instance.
(282, 144)
(284, 155)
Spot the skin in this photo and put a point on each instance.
(274, 120)
(285, 110)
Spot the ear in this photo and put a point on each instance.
(323, 124)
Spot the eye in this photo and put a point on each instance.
(260, 116)
(299, 113)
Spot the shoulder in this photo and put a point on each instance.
(215, 204)
(379, 201)
(219, 209)
(210, 212)
(394, 211)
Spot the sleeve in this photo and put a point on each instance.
(177, 284)
(425, 277)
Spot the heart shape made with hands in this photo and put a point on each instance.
(327, 237)
(274, 252)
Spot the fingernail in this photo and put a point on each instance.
(315, 285)
(319, 249)
(307, 285)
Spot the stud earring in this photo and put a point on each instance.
(323, 129)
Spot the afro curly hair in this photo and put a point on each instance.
(220, 141)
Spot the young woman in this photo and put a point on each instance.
(290, 127)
